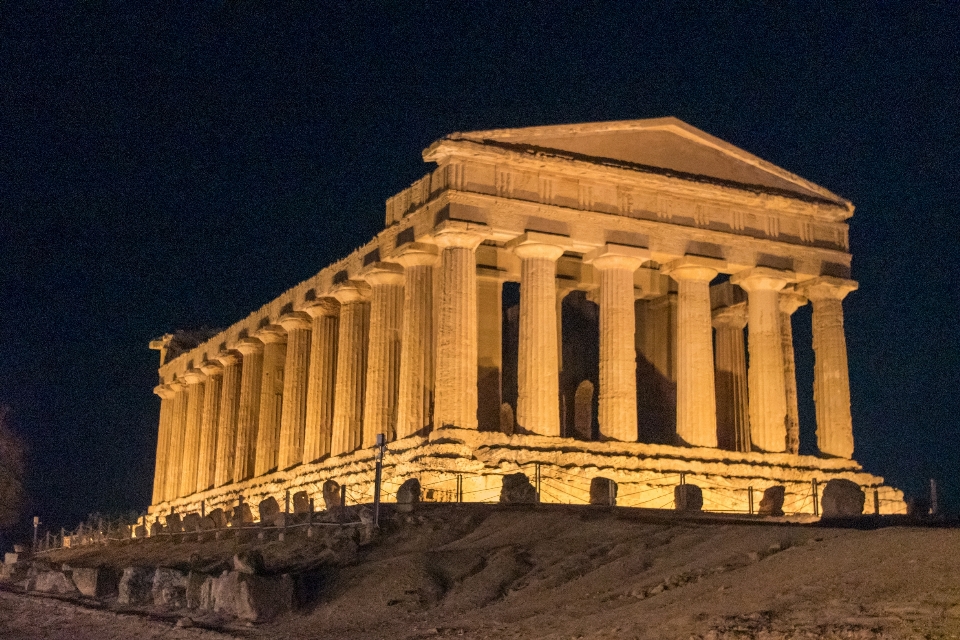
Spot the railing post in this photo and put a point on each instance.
(537, 472)
(683, 478)
(381, 447)
(750, 498)
(459, 488)
(816, 497)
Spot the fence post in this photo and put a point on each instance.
(459, 487)
(683, 478)
(537, 472)
(816, 497)
(750, 498)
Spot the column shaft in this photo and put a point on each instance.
(178, 425)
(383, 353)
(227, 419)
(733, 422)
(351, 365)
(322, 379)
(191, 438)
(296, 372)
(790, 302)
(416, 346)
(209, 424)
(489, 351)
(251, 377)
(163, 444)
(271, 400)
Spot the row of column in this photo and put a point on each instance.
(326, 380)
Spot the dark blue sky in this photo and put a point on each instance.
(177, 166)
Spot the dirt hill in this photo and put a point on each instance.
(485, 571)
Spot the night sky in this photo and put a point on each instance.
(179, 166)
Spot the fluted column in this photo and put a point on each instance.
(768, 399)
(696, 390)
(251, 377)
(296, 370)
(209, 424)
(416, 344)
(163, 443)
(191, 438)
(456, 370)
(617, 401)
(489, 348)
(383, 352)
(789, 303)
(733, 415)
(228, 416)
(831, 381)
(325, 314)
(274, 340)
(178, 426)
(538, 363)
(351, 366)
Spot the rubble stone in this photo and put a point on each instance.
(169, 588)
(603, 491)
(96, 582)
(269, 509)
(251, 597)
(136, 586)
(772, 502)
(842, 499)
(517, 489)
(408, 495)
(688, 497)
(301, 502)
(331, 494)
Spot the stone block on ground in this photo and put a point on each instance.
(603, 491)
(301, 502)
(242, 515)
(331, 494)
(191, 522)
(96, 582)
(517, 489)
(207, 524)
(687, 497)
(136, 586)
(269, 509)
(54, 582)
(251, 597)
(169, 588)
(174, 524)
(408, 495)
(12, 558)
(156, 529)
(219, 518)
(842, 499)
(250, 562)
(199, 586)
(772, 502)
(140, 531)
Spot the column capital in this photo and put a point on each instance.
(325, 306)
(351, 291)
(211, 368)
(536, 244)
(193, 376)
(177, 385)
(164, 391)
(383, 273)
(762, 279)
(295, 320)
(790, 301)
(417, 254)
(249, 346)
(617, 256)
(229, 357)
(694, 268)
(272, 333)
(733, 317)
(457, 233)
(827, 287)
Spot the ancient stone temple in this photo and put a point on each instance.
(595, 300)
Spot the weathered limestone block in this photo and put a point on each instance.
(331, 495)
(174, 524)
(842, 499)
(408, 495)
(772, 502)
(250, 562)
(169, 588)
(301, 502)
(156, 528)
(140, 531)
(687, 497)
(191, 522)
(199, 591)
(219, 518)
(517, 489)
(136, 586)
(54, 582)
(96, 582)
(207, 524)
(507, 422)
(269, 509)
(251, 597)
(603, 491)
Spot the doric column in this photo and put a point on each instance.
(251, 377)
(178, 425)
(831, 381)
(351, 365)
(416, 343)
(383, 352)
(191, 438)
(293, 416)
(733, 415)
(209, 424)
(163, 442)
(325, 313)
(538, 362)
(790, 301)
(456, 370)
(696, 391)
(274, 340)
(768, 399)
(617, 401)
(228, 415)
(489, 348)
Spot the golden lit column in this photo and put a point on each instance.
(191, 438)
(228, 415)
(325, 314)
(733, 415)
(163, 443)
(251, 376)
(456, 370)
(274, 340)
(696, 389)
(296, 373)
(489, 348)
(538, 361)
(617, 401)
(831, 381)
(209, 424)
(178, 425)
(416, 343)
(768, 397)
(789, 303)
(351, 366)
(383, 352)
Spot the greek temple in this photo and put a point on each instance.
(591, 300)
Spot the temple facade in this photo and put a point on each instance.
(583, 300)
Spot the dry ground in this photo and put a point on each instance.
(482, 571)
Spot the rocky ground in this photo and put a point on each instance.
(487, 571)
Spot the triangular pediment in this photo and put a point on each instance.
(663, 143)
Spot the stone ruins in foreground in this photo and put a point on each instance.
(642, 249)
